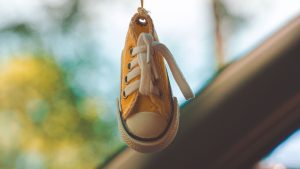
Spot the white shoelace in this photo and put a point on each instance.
(148, 70)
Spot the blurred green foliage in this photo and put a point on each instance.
(51, 116)
(43, 124)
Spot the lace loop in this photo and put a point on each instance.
(148, 70)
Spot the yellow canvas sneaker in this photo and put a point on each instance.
(148, 113)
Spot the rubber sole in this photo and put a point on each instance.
(151, 146)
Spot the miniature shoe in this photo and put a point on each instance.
(148, 114)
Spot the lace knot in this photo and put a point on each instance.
(148, 71)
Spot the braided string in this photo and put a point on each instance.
(142, 3)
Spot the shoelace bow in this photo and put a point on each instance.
(148, 70)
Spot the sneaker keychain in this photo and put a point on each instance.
(148, 114)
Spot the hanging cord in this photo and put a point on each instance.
(142, 3)
(143, 14)
(141, 10)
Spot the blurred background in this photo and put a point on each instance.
(60, 64)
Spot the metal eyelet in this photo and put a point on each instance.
(142, 21)
(131, 51)
(160, 93)
(124, 95)
(155, 81)
(126, 80)
(129, 66)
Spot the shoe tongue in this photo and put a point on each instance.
(142, 42)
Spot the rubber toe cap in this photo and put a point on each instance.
(146, 124)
